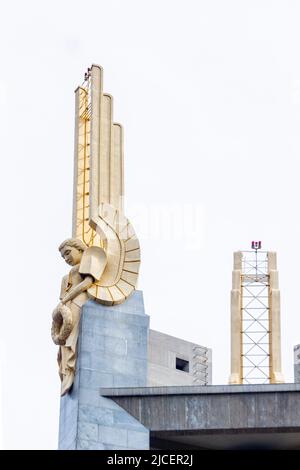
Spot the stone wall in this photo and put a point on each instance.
(112, 352)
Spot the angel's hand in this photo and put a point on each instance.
(75, 291)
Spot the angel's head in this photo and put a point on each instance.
(71, 250)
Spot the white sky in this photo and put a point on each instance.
(209, 96)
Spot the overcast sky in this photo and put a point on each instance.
(209, 96)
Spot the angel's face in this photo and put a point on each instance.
(71, 255)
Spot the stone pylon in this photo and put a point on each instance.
(255, 319)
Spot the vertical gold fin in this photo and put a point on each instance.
(105, 149)
(75, 187)
(96, 108)
(117, 172)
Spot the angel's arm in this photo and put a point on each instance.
(75, 291)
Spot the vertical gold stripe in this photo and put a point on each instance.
(105, 149)
(117, 184)
(75, 179)
(96, 105)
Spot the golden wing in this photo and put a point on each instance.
(98, 218)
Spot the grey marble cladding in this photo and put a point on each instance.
(112, 352)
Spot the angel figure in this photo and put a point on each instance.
(87, 267)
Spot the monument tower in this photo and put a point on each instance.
(99, 324)
(255, 318)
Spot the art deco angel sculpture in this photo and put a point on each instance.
(104, 252)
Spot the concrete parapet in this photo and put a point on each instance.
(216, 417)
